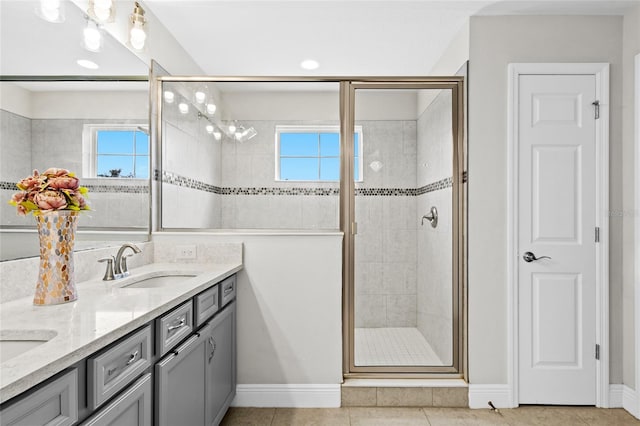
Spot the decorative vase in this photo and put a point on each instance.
(56, 279)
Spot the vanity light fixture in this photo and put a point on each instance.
(50, 10)
(232, 128)
(183, 107)
(169, 96)
(200, 97)
(209, 128)
(137, 31)
(92, 37)
(102, 10)
(85, 63)
(217, 134)
(211, 108)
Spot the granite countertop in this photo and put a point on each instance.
(102, 314)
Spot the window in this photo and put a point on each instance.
(312, 153)
(117, 151)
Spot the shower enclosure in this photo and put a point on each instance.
(379, 158)
(404, 306)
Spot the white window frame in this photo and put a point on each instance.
(315, 129)
(90, 145)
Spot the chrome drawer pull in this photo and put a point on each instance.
(132, 357)
(112, 370)
(228, 290)
(212, 343)
(182, 323)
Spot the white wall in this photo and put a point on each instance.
(630, 217)
(289, 304)
(494, 43)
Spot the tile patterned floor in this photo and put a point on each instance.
(393, 346)
(526, 415)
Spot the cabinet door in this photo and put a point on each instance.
(220, 371)
(180, 384)
(55, 403)
(131, 408)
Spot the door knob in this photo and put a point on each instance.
(530, 257)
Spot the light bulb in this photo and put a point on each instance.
(217, 135)
(232, 128)
(200, 97)
(184, 108)
(238, 136)
(92, 37)
(209, 128)
(211, 108)
(103, 4)
(103, 15)
(137, 37)
(50, 10)
(169, 96)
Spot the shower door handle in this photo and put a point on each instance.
(530, 257)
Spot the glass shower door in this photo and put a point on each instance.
(405, 293)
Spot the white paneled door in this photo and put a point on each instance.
(556, 239)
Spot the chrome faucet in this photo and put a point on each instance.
(120, 269)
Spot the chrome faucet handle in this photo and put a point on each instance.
(123, 265)
(108, 274)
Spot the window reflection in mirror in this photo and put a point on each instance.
(61, 124)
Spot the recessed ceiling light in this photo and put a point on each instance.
(87, 64)
(309, 64)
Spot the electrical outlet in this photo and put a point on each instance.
(186, 252)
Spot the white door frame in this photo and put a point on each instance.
(601, 72)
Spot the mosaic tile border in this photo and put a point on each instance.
(175, 179)
(104, 189)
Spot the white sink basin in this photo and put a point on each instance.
(157, 279)
(16, 342)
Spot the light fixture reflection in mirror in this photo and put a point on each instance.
(51, 10)
(169, 96)
(92, 38)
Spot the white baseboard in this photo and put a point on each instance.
(499, 395)
(293, 396)
(622, 396)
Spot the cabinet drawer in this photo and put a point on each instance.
(112, 370)
(227, 290)
(173, 327)
(54, 403)
(132, 408)
(206, 304)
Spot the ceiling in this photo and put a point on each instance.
(265, 37)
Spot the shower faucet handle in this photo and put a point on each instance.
(432, 217)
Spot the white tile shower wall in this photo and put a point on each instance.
(18, 277)
(434, 251)
(190, 152)
(252, 165)
(386, 243)
(15, 133)
(29, 144)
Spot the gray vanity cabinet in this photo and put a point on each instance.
(220, 371)
(180, 383)
(131, 408)
(186, 396)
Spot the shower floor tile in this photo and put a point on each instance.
(393, 346)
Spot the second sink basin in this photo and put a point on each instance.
(16, 342)
(156, 279)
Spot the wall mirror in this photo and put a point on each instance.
(53, 113)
